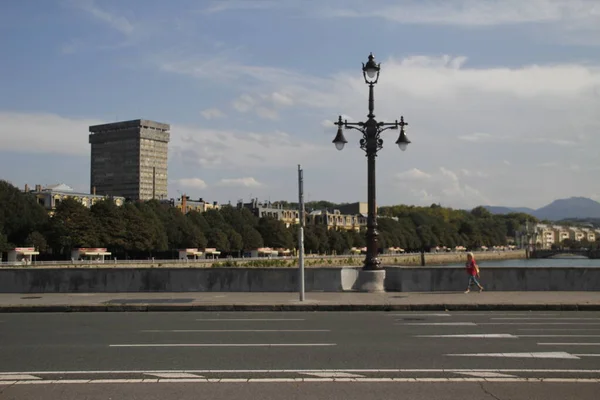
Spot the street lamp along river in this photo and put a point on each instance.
(371, 277)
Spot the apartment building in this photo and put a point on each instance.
(336, 220)
(185, 204)
(267, 209)
(129, 159)
(52, 195)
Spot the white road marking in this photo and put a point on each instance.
(309, 380)
(550, 319)
(232, 330)
(301, 371)
(474, 335)
(594, 336)
(13, 377)
(484, 314)
(224, 345)
(333, 374)
(442, 323)
(569, 344)
(557, 354)
(483, 374)
(587, 355)
(248, 319)
(558, 329)
(175, 375)
(539, 323)
(419, 315)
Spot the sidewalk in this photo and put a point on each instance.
(315, 301)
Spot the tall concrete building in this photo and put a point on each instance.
(129, 159)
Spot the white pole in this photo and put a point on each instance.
(301, 232)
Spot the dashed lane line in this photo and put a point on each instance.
(249, 319)
(441, 324)
(233, 330)
(569, 344)
(547, 319)
(474, 335)
(484, 374)
(224, 345)
(556, 354)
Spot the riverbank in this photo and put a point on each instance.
(411, 259)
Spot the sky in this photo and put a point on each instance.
(502, 98)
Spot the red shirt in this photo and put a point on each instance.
(471, 268)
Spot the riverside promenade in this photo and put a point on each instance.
(257, 301)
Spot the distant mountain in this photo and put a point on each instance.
(574, 207)
(571, 208)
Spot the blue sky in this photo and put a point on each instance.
(502, 97)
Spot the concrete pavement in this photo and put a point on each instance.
(488, 354)
(315, 301)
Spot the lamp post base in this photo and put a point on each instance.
(372, 281)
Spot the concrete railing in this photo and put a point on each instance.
(398, 279)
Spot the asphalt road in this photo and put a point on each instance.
(502, 355)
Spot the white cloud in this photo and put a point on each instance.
(266, 113)
(413, 174)
(193, 183)
(118, 22)
(478, 174)
(239, 182)
(212, 113)
(565, 21)
(441, 186)
(282, 99)
(238, 5)
(476, 137)
(45, 133)
(244, 103)
(231, 150)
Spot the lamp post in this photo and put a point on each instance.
(371, 143)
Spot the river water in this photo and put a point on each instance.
(539, 262)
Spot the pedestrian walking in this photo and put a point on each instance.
(473, 271)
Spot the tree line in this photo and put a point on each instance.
(151, 228)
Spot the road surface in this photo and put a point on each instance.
(354, 355)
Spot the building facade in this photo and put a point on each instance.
(267, 209)
(51, 196)
(185, 204)
(544, 236)
(129, 159)
(336, 220)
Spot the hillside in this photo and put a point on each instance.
(571, 208)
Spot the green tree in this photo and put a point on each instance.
(251, 238)
(337, 241)
(275, 234)
(72, 226)
(236, 242)
(140, 234)
(37, 240)
(112, 230)
(20, 214)
(155, 229)
(218, 239)
(3, 241)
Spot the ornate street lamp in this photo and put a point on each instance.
(371, 143)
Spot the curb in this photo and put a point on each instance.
(293, 307)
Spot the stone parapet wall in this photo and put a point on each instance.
(398, 279)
